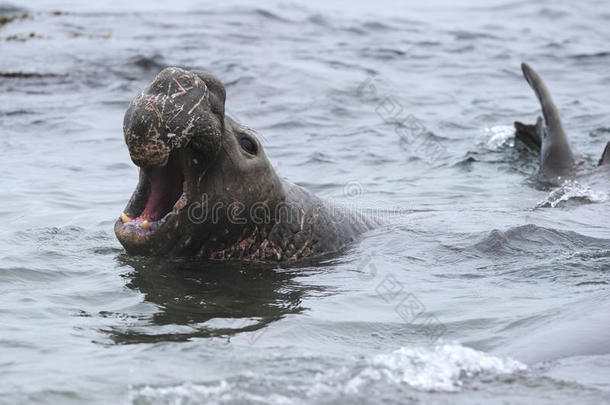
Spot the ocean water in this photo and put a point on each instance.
(486, 285)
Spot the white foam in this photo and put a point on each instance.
(572, 189)
(182, 394)
(209, 394)
(501, 135)
(443, 368)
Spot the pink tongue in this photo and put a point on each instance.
(157, 204)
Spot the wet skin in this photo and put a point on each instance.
(206, 188)
(557, 160)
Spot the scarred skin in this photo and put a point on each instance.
(234, 204)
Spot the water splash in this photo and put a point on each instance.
(500, 136)
(572, 190)
(444, 368)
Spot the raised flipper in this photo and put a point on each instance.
(605, 159)
(556, 157)
(528, 134)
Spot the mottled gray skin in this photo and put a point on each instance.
(556, 157)
(179, 121)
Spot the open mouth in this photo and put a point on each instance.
(161, 192)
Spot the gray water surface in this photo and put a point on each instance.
(485, 286)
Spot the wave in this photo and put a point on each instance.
(527, 239)
(443, 368)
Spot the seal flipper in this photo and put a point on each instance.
(556, 157)
(528, 134)
(605, 159)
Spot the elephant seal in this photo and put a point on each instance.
(206, 188)
(556, 157)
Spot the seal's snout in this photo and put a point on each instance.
(173, 131)
(170, 113)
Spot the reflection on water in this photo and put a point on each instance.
(197, 298)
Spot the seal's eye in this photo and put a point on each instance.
(247, 143)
